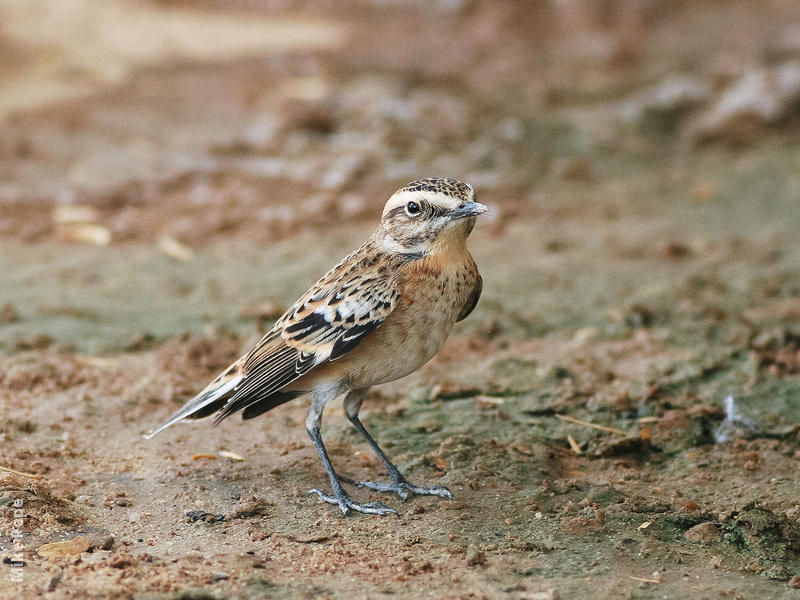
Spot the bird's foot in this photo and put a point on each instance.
(403, 488)
(345, 504)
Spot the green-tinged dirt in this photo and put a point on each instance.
(618, 418)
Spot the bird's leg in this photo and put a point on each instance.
(339, 496)
(399, 484)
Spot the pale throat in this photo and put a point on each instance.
(390, 245)
(449, 239)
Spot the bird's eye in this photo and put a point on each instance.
(413, 209)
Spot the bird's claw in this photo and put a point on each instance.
(345, 504)
(402, 488)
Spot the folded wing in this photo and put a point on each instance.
(328, 321)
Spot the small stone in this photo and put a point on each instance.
(687, 505)
(63, 549)
(219, 577)
(794, 582)
(174, 248)
(551, 594)
(475, 556)
(8, 313)
(703, 533)
(673, 250)
(585, 335)
(581, 525)
(101, 542)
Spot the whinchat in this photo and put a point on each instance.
(380, 314)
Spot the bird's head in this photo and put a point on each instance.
(427, 215)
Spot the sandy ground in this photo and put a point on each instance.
(174, 174)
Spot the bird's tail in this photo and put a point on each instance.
(206, 402)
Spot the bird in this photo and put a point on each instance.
(378, 315)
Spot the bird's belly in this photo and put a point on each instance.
(409, 337)
(398, 350)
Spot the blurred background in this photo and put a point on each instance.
(145, 144)
(173, 174)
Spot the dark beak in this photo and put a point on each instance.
(467, 209)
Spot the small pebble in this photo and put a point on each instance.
(551, 594)
(475, 556)
(8, 313)
(102, 542)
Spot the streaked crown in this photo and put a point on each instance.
(443, 192)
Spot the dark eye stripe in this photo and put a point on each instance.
(395, 212)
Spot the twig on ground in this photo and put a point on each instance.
(587, 424)
(574, 445)
(645, 579)
(20, 473)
